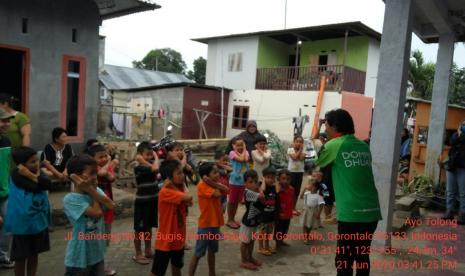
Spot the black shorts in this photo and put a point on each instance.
(24, 246)
(161, 259)
(329, 200)
(145, 216)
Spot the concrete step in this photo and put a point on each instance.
(405, 203)
(124, 205)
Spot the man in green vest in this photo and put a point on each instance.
(357, 204)
(5, 161)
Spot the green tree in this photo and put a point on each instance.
(421, 76)
(165, 60)
(421, 80)
(200, 69)
(457, 89)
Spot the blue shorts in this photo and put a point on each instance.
(207, 238)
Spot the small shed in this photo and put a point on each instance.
(455, 115)
(141, 103)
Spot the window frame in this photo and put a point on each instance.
(240, 118)
(235, 62)
(79, 138)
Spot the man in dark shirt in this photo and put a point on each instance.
(5, 163)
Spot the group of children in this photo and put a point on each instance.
(161, 201)
(269, 200)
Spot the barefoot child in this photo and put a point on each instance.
(173, 200)
(296, 156)
(146, 203)
(239, 162)
(251, 220)
(84, 209)
(105, 179)
(285, 207)
(211, 216)
(268, 188)
(313, 204)
(28, 211)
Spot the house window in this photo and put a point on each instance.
(235, 62)
(73, 92)
(240, 116)
(24, 26)
(74, 35)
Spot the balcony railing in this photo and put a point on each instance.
(338, 77)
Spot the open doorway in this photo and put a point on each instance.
(13, 65)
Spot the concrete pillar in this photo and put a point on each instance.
(440, 99)
(389, 105)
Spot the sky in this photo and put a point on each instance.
(131, 37)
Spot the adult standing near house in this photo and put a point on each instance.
(19, 132)
(405, 143)
(455, 185)
(56, 155)
(5, 163)
(250, 135)
(358, 210)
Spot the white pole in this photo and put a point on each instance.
(285, 13)
(222, 110)
(222, 96)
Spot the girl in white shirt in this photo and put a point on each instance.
(261, 156)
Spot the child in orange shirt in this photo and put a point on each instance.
(211, 219)
(173, 200)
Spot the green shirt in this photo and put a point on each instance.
(5, 153)
(14, 132)
(353, 182)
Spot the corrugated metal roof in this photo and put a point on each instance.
(123, 78)
(116, 8)
(311, 33)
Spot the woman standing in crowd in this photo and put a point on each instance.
(19, 132)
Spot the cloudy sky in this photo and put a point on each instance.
(131, 37)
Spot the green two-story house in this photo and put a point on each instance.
(346, 54)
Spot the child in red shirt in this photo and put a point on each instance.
(173, 200)
(285, 207)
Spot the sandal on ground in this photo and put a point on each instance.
(232, 225)
(141, 260)
(109, 272)
(256, 262)
(265, 252)
(272, 250)
(149, 256)
(249, 266)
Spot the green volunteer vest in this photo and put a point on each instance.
(353, 182)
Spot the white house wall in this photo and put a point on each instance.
(372, 68)
(274, 109)
(217, 66)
